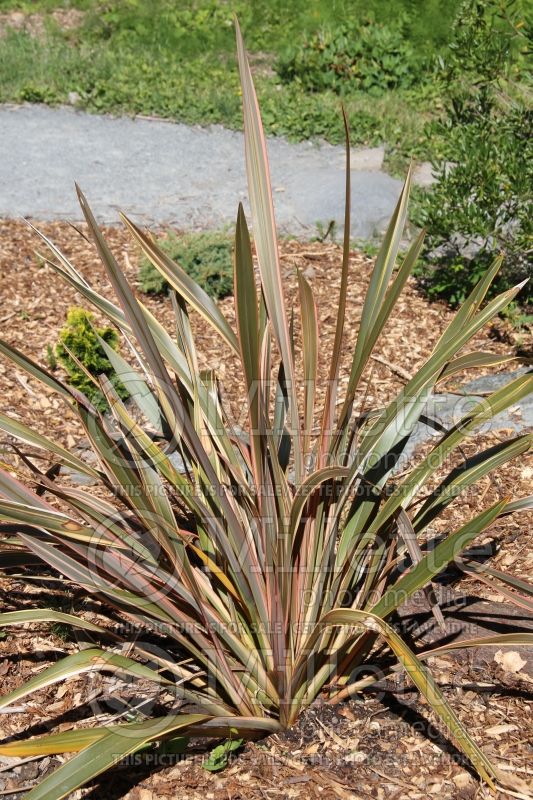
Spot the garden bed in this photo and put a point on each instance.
(35, 302)
(379, 745)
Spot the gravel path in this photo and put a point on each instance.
(162, 172)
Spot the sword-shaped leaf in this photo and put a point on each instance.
(92, 660)
(435, 561)
(106, 751)
(264, 229)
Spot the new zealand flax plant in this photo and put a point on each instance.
(268, 561)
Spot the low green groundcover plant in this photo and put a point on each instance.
(357, 55)
(206, 257)
(254, 564)
(82, 351)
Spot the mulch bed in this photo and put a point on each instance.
(380, 745)
(35, 301)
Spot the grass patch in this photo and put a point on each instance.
(379, 58)
(178, 63)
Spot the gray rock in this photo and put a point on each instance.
(78, 478)
(423, 174)
(448, 409)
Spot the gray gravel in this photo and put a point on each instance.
(162, 172)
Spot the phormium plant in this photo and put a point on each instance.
(267, 562)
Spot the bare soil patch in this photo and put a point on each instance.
(67, 19)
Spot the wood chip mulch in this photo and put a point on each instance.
(35, 301)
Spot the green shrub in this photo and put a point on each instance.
(206, 257)
(364, 56)
(481, 204)
(79, 336)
